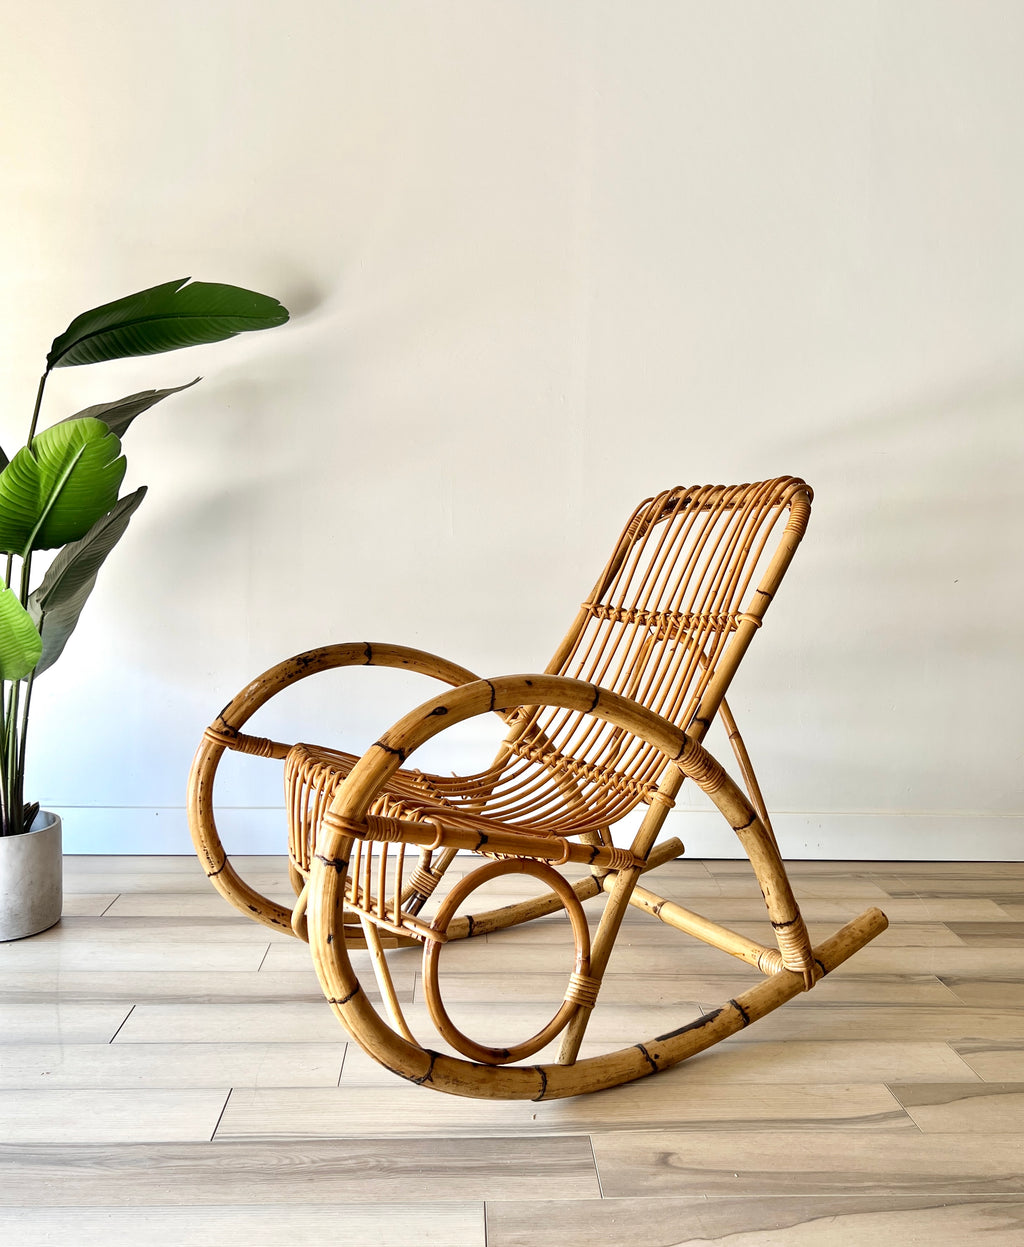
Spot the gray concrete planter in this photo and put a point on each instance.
(31, 878)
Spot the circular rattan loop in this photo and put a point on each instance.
(578, 982)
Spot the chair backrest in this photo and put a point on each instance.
(667, 623)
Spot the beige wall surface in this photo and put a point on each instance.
(544, 258)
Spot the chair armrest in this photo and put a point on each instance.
(328, 657)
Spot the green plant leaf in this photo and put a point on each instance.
(117, 416)
(163, 318)
(56, 605)
(20, 642)
(54, 491)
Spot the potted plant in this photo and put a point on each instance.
(60, 492)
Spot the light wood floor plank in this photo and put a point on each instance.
(777, 1221)
(132, 864)
(85, 1066)
(271, 1022)
(227, 927)
(40, 953)
(60, 1022)
(195, 904)
(350, 1171)
(959, 910)
(994, 992)
(953, 885)
(959, 1108)
(294, 957)
(922, 869)
(111, 1116)
(87, 904)
(993, 1060)
(171, 986)
(402, 1111)
(884, 1022)
(942, 961)
(340, 1225)
(984, 934)
(811, 1163)
(799, 867)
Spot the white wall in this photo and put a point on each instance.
(544, 258)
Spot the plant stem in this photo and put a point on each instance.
(14, 811)
(15, 726)
(22, 736)
(26, 571)
(5, 801)
(35, 411)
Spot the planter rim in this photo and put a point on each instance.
(31, 883)
(37, 825)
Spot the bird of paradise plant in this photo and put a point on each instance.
(60, 491)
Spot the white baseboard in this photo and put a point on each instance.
(857, 836)
(961, 836)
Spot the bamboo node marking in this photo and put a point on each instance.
(742, 1012)
(343, 1000)
(430, 1069)
(647, 1056)
(337, 864)
(399, 753)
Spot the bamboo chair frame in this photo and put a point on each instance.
(616, 722)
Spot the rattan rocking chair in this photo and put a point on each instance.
(615, 723)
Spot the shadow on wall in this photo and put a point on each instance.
(301, 295)
(926, 511)
(912, 629)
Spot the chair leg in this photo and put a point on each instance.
(746, 770)
(621, 887)
(384, 979)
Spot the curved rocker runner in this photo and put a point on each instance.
(615, 723)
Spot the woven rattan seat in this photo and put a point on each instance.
(611, 728)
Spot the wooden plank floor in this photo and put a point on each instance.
(169, 1068)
